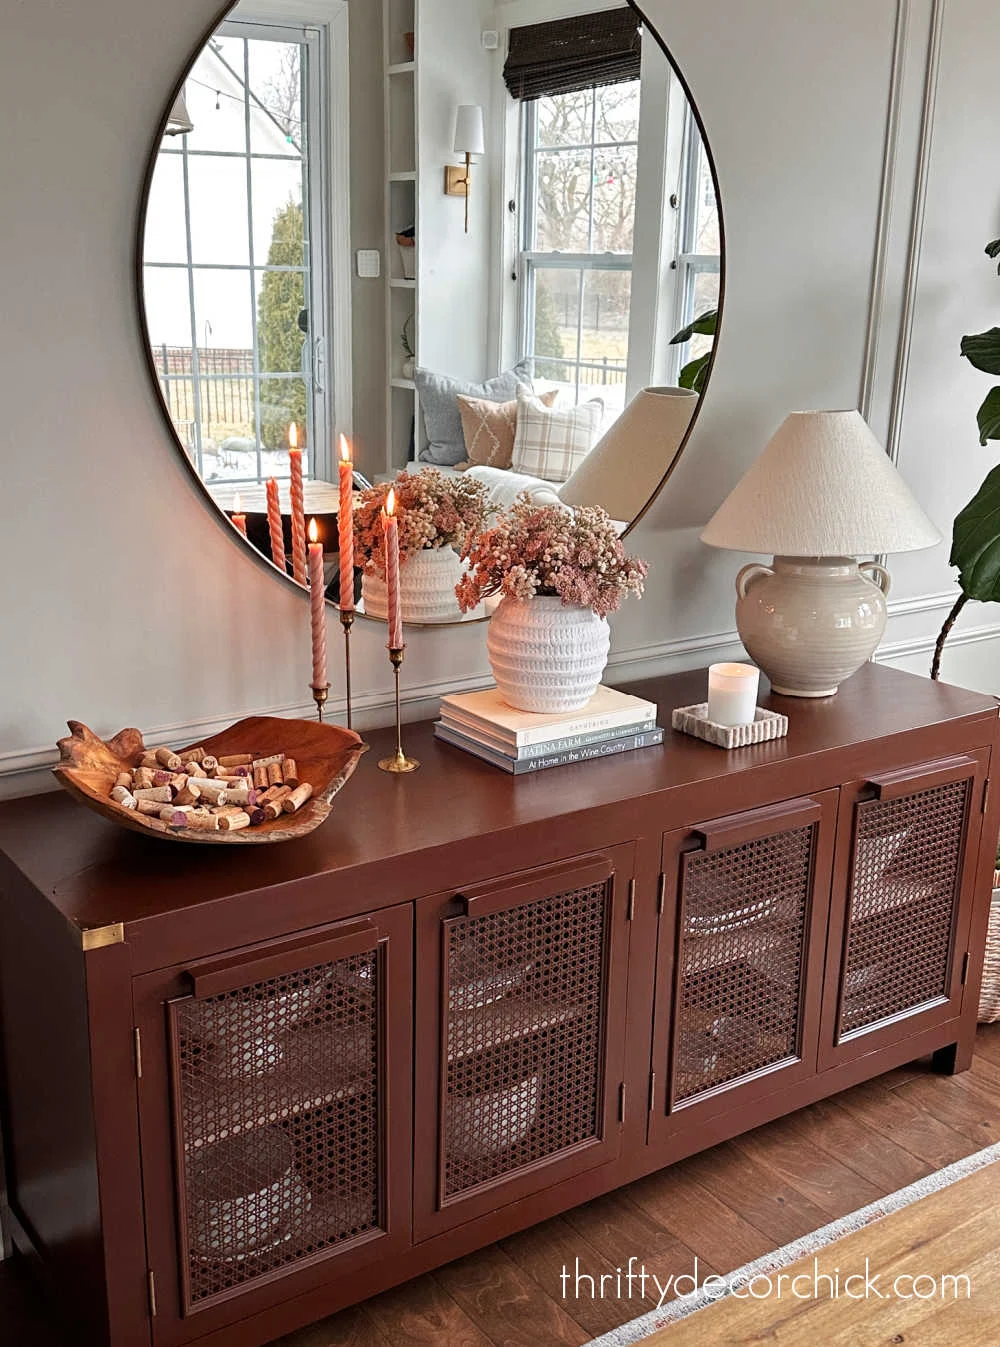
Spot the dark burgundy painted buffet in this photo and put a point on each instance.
(243, 1088)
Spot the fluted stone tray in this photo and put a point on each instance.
(694, 720)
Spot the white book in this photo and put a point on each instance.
(487, 711)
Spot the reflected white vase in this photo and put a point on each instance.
(545, 656)
(427, 581)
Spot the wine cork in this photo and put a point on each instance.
(257, 817)
(161, 794)
(149, 807)
(294, 802)
(275, 774)
(163, 777)
(273, 809)
(176, 816)
(202, 821)
(260, 776)
(124, 779)
(266, 762)
(275, 795)
(211, 790)
(209, 765)
(123, 796)
(149, 758)
(231, 823)
(192, 767)
(142, 778)
(187, 794)
(236, 760)
(291, 771)
(194, 754)
(166, 757)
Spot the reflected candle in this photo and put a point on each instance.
(275, 526)
(298, 506)
(317, 601)
(345, 528)
(239, 518)
(391, 525)
(732, 694)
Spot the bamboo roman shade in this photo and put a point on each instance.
(572, 54)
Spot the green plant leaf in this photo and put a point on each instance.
(706, 325)
(983, 350)
(989, 417)
(975, 548)
(694, 374)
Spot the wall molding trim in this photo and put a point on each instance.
(869, 365)
(924, 645)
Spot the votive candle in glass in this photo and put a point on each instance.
(732, 694)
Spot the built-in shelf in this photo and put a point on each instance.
(409, 176)
(402, 68)
(404, 383)
(402, 189)
(400, 283)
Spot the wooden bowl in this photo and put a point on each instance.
(326, 756)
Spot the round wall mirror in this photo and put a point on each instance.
(466, 248)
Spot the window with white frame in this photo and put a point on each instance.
(235, 257)
(580, 162)
(699, 257)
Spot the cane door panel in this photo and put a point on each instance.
(907, 851)
(742, 930)
(275, 1115)
(520, 1035)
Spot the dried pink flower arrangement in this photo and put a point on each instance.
(434, 511)
(550, 550)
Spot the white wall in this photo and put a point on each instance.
(100, 616)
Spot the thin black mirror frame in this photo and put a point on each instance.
(143, 325)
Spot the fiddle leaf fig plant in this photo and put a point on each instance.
(975, 547)
(695, 372)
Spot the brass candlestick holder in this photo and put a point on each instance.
(347, 622)
(399, 763)
(320, 692)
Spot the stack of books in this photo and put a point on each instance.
(521, 741)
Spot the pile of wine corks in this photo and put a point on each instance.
(207, 794)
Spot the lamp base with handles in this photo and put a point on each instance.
(811, 622)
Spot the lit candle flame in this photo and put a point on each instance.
(237, 504)
(293, 436)
(390, 501)
(345, 449)
(313, 531)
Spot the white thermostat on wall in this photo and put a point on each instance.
(369, 263)
(491, 40)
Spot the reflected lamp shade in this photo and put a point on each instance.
(823, 493)
(179, 122)
(625, 468)
(823, 487)
(470, 130)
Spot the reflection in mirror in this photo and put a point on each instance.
(306, 264)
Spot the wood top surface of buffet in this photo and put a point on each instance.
(95, 873)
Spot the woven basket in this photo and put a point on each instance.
(989, 997)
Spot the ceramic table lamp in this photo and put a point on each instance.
(822, 494)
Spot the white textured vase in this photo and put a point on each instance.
(427, 581)
(545, 656)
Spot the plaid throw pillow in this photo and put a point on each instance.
(489, 429)
(552, 444)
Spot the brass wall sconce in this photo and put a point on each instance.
(470, 139)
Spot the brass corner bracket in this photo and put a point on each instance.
(99, 937)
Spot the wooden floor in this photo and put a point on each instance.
(725, 1206)
(911, 1255)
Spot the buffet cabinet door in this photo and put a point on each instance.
(519, 1036)
(275, 1117)
(739, 970)
(907, 853)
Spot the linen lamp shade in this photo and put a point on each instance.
(625, 467)
(823, 487)
(179, 122)
(470, 130)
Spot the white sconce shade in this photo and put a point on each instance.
(179, 122)
(470, 130)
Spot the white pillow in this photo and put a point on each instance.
(553, 444)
